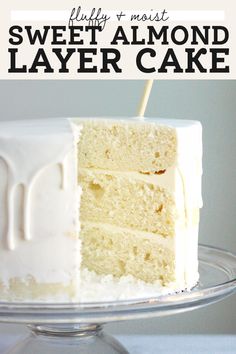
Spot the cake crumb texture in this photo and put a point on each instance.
(126, 146)
(121, 252)
(125, 201)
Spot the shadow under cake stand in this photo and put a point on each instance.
(77, 328)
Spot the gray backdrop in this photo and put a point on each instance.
(211, 102)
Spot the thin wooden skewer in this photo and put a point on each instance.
(145, 98)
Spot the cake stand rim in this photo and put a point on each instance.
(101, 312)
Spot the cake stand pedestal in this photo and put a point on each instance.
(77, 328)
(70, 339)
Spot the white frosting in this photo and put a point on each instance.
(189, 166)
(173, 123)
(166, 242)
(39, 201)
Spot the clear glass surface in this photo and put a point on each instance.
(76, 328)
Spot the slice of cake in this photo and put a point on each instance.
(118, 197)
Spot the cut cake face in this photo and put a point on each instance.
(114, 196)
(139, 211)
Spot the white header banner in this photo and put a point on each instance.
(87, 40)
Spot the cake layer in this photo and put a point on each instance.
(124, 201)
(136, 201)
(119, 251)
(126, 145)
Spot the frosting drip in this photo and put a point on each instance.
(26, 162)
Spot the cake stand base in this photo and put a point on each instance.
(76, 339)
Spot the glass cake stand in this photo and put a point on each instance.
(77, 328)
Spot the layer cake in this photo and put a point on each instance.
(116, 197)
